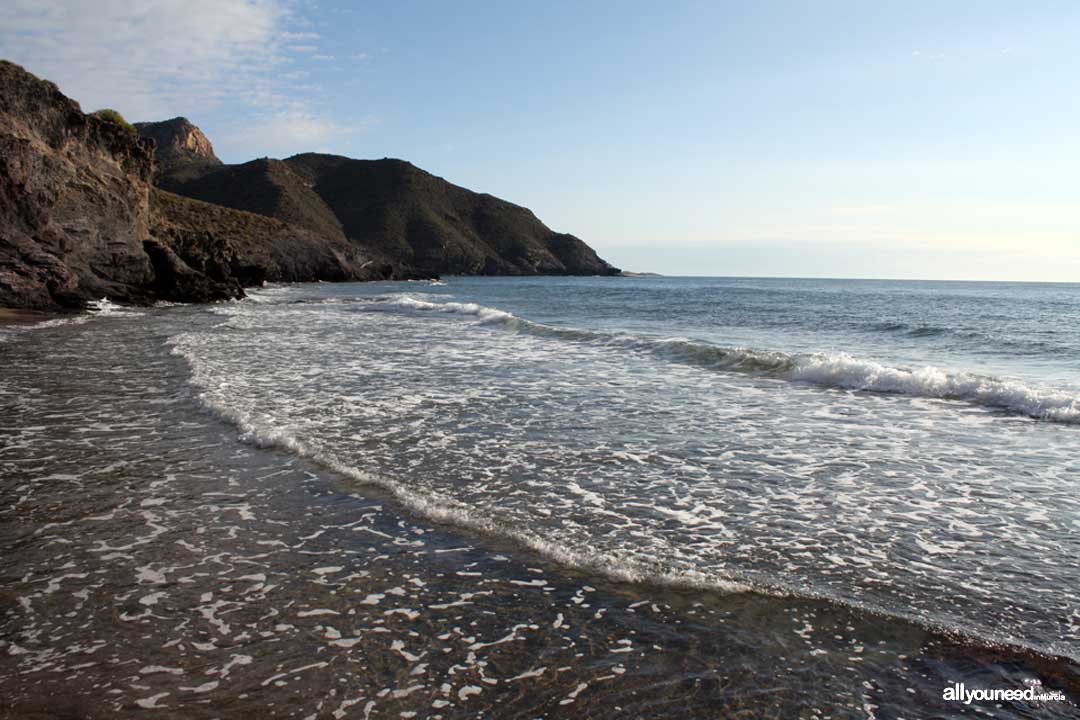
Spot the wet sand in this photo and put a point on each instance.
(12, 316)
(155, 565)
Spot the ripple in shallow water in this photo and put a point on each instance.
(156, 565)
(626, 464)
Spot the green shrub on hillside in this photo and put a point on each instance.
(110, 115)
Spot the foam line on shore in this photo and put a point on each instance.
(616, 567)
(441, 508)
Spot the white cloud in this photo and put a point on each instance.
(231, 63)
(156, 58)
(290, 131)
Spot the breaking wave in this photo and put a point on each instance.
(105, 307)
(620, 564)
(837, 370)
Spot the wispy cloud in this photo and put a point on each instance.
(293, 130)
(300, 36)
(149, 59)
(154, 60)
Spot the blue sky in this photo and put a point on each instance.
(844, 139)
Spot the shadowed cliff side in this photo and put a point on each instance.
(80, 219)
(73, 200)
(392, 209)
(439, 227)
(266, 187)
(227, 244)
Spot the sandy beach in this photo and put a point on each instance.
(160, 563)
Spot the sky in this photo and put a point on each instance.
(935, 140)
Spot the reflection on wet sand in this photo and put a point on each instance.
(154, 565)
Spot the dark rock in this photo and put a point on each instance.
(240, 246)
(73, 200)
(176, 280)
(422, 220)
(81, 220)
(266, 187)
(75, 214)
(393, 209)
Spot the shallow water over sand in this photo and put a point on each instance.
(157, 564)
(635, 447)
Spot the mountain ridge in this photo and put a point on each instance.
(392, 208)
(91, 210)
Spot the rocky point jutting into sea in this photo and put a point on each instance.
(90, 210)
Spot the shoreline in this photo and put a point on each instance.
(20, 316)
(209, 577)
(346, 477)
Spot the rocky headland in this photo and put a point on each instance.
(90, 209)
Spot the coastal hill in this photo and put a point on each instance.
(393, 208)
(81, 220)
(265, 187)
(86, 212)
(73, 200)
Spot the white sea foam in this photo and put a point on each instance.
(417, 423)
(11, 333)
(105, 308)
(443, 508)
(57, 322)
(97, 308)
(836, 370)
(485, 313)
(844, 371)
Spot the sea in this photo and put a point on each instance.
(546, 497)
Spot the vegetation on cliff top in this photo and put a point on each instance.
(114, 116)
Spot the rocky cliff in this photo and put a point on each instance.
(438, 227)
(81, 220)
(81, 217)
(226, 244)
(266, 187)
(180, 147)
(73, 200)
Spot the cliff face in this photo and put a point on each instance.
(73, 200)
(266, 187)
(180, 147)
(234, 245)
(81, 218)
